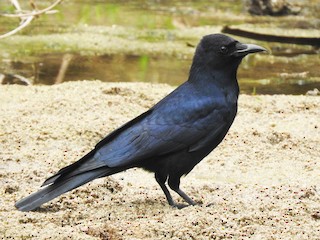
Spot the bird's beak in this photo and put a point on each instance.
(245, 49)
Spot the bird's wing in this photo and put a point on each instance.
(175, 123)
(169, 127)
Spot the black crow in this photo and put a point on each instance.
(173, 136)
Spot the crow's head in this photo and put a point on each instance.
(218, 51)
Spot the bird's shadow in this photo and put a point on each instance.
(54, 208)
(198, 204)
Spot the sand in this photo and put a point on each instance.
(262, 182)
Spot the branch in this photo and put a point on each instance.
(313, 41)
(16, 4)
(35, 13)
(25, 23)
(27, 17)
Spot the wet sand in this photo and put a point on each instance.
(262, 182)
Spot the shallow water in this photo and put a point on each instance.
(287, 70)
(122, 68)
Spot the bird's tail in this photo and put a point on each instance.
(70, 177)
(53, 190)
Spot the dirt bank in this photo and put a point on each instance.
(262, 182)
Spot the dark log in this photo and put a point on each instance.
(312, 41)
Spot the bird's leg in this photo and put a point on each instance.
(161, 181)
(174, 184)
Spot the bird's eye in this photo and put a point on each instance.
(224, 49)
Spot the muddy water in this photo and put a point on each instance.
(284, 71)
(121, 68)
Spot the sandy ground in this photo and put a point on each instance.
(262, 182)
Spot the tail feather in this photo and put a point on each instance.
(49, 192)
(72, 168)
